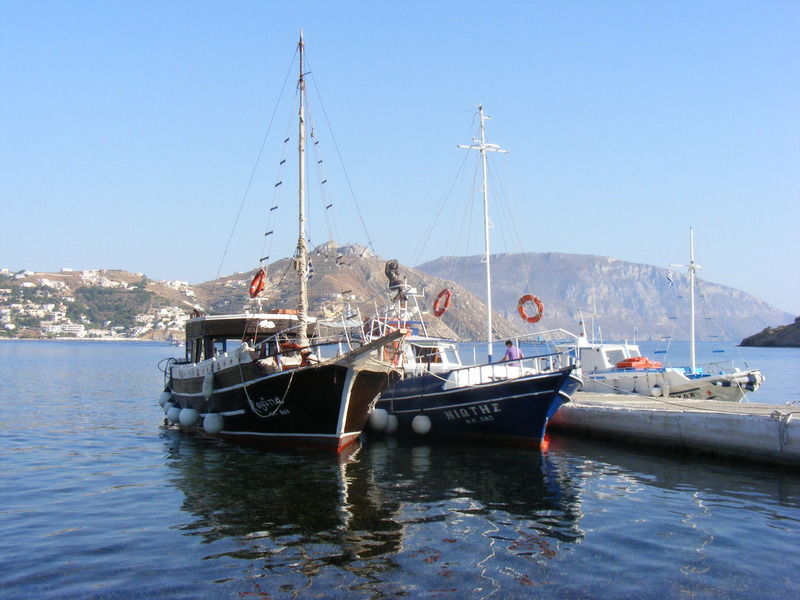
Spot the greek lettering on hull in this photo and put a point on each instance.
(268, 407)
(473, 411)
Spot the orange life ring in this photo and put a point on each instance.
(539, 308)
(442, 302)
(257, 285)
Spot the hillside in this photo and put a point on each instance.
(630, 299)
(94, 303)
(113, 303)
(351, 272)
(784, 336)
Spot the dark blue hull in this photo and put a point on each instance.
(508, 410)
(571, 385)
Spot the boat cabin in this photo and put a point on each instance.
(210, 336)
(430, 354)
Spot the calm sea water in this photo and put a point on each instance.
(98, 500)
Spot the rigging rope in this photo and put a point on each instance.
(341, 162)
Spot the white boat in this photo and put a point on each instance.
(503, 401)
(621, 368)
(268, 376)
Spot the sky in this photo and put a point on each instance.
(139, 135)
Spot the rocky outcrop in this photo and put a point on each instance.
(784, 336)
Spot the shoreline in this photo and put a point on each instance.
(94, 339)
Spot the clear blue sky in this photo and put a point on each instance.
(128, 130)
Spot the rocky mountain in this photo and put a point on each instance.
(627, 299)
(351, 273)
(784, 336)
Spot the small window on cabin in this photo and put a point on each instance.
(451, 355)
(194, 350)
(615, 356)
(428, 355)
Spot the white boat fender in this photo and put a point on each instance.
(174, 414)
(168, 405)
(213, 423)
(378, 419)
(655, 391)
(165, 397)
(391, 424)
(421, 424)
(188, 417)
(208, 385)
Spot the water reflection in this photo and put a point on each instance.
(305, 513)
(718, 478)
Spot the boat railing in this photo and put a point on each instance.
(549, 336)
(509, 369)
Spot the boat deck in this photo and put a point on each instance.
(754, 432)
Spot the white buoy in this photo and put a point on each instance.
(165, 397)
(378, 419)
(208, 385)
(173, 414)
(421, 424)
(188, 417)
(167, 406)
(213, 423)
(391, 424)
(655, 391)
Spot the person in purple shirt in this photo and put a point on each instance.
(513, 353)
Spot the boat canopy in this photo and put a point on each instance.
(239, 326)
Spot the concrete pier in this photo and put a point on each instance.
(754, 432)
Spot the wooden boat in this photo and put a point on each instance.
(263, 377)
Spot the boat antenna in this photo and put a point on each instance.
(483, 147)
(301, 261)
(692, 267)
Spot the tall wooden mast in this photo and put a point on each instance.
(301, 259)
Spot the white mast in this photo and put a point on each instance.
(301, 262)
(483, 147)
(692, 267)
(692, 272)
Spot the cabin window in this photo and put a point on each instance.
(222, 345)
(615, 356)
(451, 356)
(194, 350)
(428, 355)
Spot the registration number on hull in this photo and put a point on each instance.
(477, 413)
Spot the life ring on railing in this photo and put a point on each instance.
(257, 285)
(539, 308)
(442, 302)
